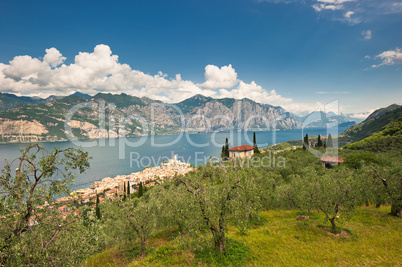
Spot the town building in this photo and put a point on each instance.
(243, 151)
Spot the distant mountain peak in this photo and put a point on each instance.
(86, 96)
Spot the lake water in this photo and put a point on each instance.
(125, 156)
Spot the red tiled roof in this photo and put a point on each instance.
(241, 148)
(332, 159)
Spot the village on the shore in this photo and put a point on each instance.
(109, 188)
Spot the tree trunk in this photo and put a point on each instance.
(219, 238)
(332, 220)
(396, 210)
(142, 247)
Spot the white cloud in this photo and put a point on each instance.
(331, 5)
(389, 57)
(341, 10)
(255, 92)
(349, 14)
(53, 57)
(215, 77)
(367, 35)
(320, 7)
(362, 115)
(100, 71)
(336, 2)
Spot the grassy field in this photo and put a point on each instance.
(370, 238)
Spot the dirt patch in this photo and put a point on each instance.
(341, 234)
(301, 218)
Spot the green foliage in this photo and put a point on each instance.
(388, 138)
(357, 160)
(222, 194)
(335, 193)
(383, 181)
(37, 236)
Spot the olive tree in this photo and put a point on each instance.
(29, 222)
(334, 192)
(133, 219)
(220, 193)
(385, 182)
(178, 209)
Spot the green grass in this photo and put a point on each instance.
(370, 238)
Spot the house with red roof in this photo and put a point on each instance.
(328, 162)
(243, 151)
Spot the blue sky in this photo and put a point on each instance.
(297, 54)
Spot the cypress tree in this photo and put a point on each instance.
(97, 210)
(256, 150)
(329, 141)
(305, 142)
(140, 190)
(128, 188)
(223, 152)
(227, 148)
(319, 142)
(124, 188)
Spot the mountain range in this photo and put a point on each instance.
(24, 119)
(32, 119)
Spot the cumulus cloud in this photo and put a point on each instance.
(53, 57)
(254, 91)
(215, 77)
(389, 57)
(101, 71)
(367, 34)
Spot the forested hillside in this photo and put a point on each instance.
(372, 124)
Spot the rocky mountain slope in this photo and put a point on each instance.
(105, 115)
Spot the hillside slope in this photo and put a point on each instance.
(374, 123)
(388, 138)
